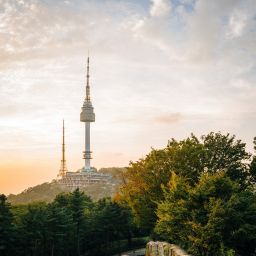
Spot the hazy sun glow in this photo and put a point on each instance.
(159, 69)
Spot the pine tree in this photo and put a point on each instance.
(78, 202)
(253, 163)
(34, 228)
(6, 227)
(59, 223)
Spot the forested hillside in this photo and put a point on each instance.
(48, 190)
(72, 224)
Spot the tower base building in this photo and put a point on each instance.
(83, 179)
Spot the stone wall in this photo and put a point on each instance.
(163, 249)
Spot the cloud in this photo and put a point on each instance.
(168, 118)
(149, 117)
(237, 23)
(12, 109)
(160, 8)
(36, 30)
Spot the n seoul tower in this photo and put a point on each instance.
(87, 116)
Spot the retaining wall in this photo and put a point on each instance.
(164, 249)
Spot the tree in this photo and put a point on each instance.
(71, 225)
(187, 158)
(78, 203)
(212, 218)
(59, 224)
(224, 152)
(176, 198)
(253, 163)
(143, 186)
(240, 223)
(110, 222)
(34, 229)
(6, 227)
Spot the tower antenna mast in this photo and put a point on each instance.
(63, 167)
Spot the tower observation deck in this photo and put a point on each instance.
(87, 116)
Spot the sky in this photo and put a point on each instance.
(160, 69)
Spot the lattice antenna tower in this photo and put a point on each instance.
(63, 166)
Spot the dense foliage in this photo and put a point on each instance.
(71, 225)
(198, 193)
(212, 218)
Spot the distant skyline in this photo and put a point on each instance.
(159, 69)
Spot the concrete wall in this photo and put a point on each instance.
(163, 249)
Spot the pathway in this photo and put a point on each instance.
(138, 252)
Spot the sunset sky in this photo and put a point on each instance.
(159, 69)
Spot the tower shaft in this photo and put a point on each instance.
(87, 152)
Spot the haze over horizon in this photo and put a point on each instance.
(159, 69)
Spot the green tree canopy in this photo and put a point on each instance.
(187, 158)
(212, 218)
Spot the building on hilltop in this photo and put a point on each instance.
(87, 175)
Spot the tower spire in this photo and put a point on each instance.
(63, 167)
(87, 81)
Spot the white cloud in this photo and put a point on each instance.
(237, 23)
(160, 8)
